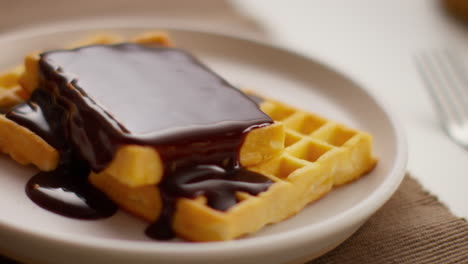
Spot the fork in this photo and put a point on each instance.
(447, 83)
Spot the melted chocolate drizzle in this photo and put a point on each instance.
(94, 99)
(67, 192)
(216, 184)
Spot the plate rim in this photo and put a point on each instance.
(366, 207)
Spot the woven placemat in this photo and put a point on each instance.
(412, 227)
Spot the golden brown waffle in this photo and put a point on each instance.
(318, 155)
(11, 92)
(253, 150)
(21, 144)
(303, 154)
(134, 166)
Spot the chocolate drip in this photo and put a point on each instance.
(66, 191)
(218, 185)
(94, 99)
(45, 117)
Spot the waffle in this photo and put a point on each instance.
(318, 155)
(11, 93)
(25, 79)
(303, 154)
(134, 166)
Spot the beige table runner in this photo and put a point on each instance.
(412, 227)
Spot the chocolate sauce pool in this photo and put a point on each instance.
(67, 192)
(94, 99)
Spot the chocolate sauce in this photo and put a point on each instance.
(94, 99)
(67, 192)
(37, 114)
(217, 184)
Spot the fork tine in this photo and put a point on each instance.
(431, 76)
(450, 84)
(444, 76)
(456, 69)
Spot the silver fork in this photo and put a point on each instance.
(447, 83)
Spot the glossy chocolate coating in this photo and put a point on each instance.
(67, 192)
(94, 99)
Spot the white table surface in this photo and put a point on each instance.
(374, 41)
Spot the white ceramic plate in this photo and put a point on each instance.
(34, 235)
